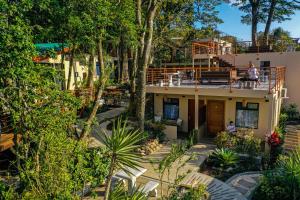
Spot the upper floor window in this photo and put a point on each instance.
(247, 116)
(171, 108)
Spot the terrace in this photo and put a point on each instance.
(271, 79)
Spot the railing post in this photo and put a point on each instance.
(270, 80)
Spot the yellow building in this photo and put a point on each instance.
(208, 98)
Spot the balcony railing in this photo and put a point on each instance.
(270, 79)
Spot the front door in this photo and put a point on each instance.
(215, 117)
(191, 114)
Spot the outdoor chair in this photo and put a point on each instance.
(150, 189)
(116, 181)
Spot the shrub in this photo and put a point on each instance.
(224, 158)
(292, 112)
(197, 193)
(243, 142)
(247, 143)
(155, 129)
(284, 181)
(225, 140)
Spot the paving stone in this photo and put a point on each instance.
(246, 183)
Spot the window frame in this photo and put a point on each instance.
(246, 108)
(170, 103)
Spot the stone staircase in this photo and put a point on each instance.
(292, 137)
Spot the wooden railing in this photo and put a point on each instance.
(210, 48)
(272, 77)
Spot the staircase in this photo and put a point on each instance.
(223, 63)
(292, 137)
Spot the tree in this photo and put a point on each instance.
(253, 16)
(206, 13)
(278, 10)
(121, 145)
(145, 45)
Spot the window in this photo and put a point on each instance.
(171, 109)
(247, 117)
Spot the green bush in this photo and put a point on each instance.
(283, 182)
(224, 158)
(243, 141)
(197, 193)
(6, 192)
(225, 140)
(247, 143)
(292, 112)
(155, 130)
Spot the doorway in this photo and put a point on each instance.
(215, 117)
(191, 114)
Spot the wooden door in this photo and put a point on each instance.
(215, 117)
(191, 115)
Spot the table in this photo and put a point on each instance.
(131, 175)
(170, 77)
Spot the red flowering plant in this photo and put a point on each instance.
(275, 139)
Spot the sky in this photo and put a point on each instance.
(232, 23)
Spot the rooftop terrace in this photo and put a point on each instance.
(270, 79)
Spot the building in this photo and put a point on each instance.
(80, 67)
(206, 97)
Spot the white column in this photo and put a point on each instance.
(208, 63)
(196, 111)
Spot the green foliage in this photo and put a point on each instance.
(224, 158)
(6, 192)
(291, 111)
(284, 181)
(119, 193)
(155, 130)
(197, 193)
(243, 141)
(121, 147)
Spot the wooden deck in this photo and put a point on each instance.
(7, 141)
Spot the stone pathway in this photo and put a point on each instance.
(245, 183)
(218, 189)
(201, 152)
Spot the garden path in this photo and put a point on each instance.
(245, 183)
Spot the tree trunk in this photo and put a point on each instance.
(102, 82)
(109, 176)
(132, 102)
(91, 69)
(269, 21)
(143, 64)
(124, 65)
(71, 63)
(255, 14)
(62, 67)
(119, 70)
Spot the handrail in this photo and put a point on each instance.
(160, 76)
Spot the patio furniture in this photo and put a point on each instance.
(150, 189)
(170, 77)
(115, 181)
(131, 175)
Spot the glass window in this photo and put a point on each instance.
(247, 117)
(171, 109)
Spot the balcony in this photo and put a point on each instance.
(271, 79)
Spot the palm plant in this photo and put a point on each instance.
(120, 194)
(289, 167)
(121, 145)
(224, 158)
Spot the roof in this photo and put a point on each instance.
(49, 46)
